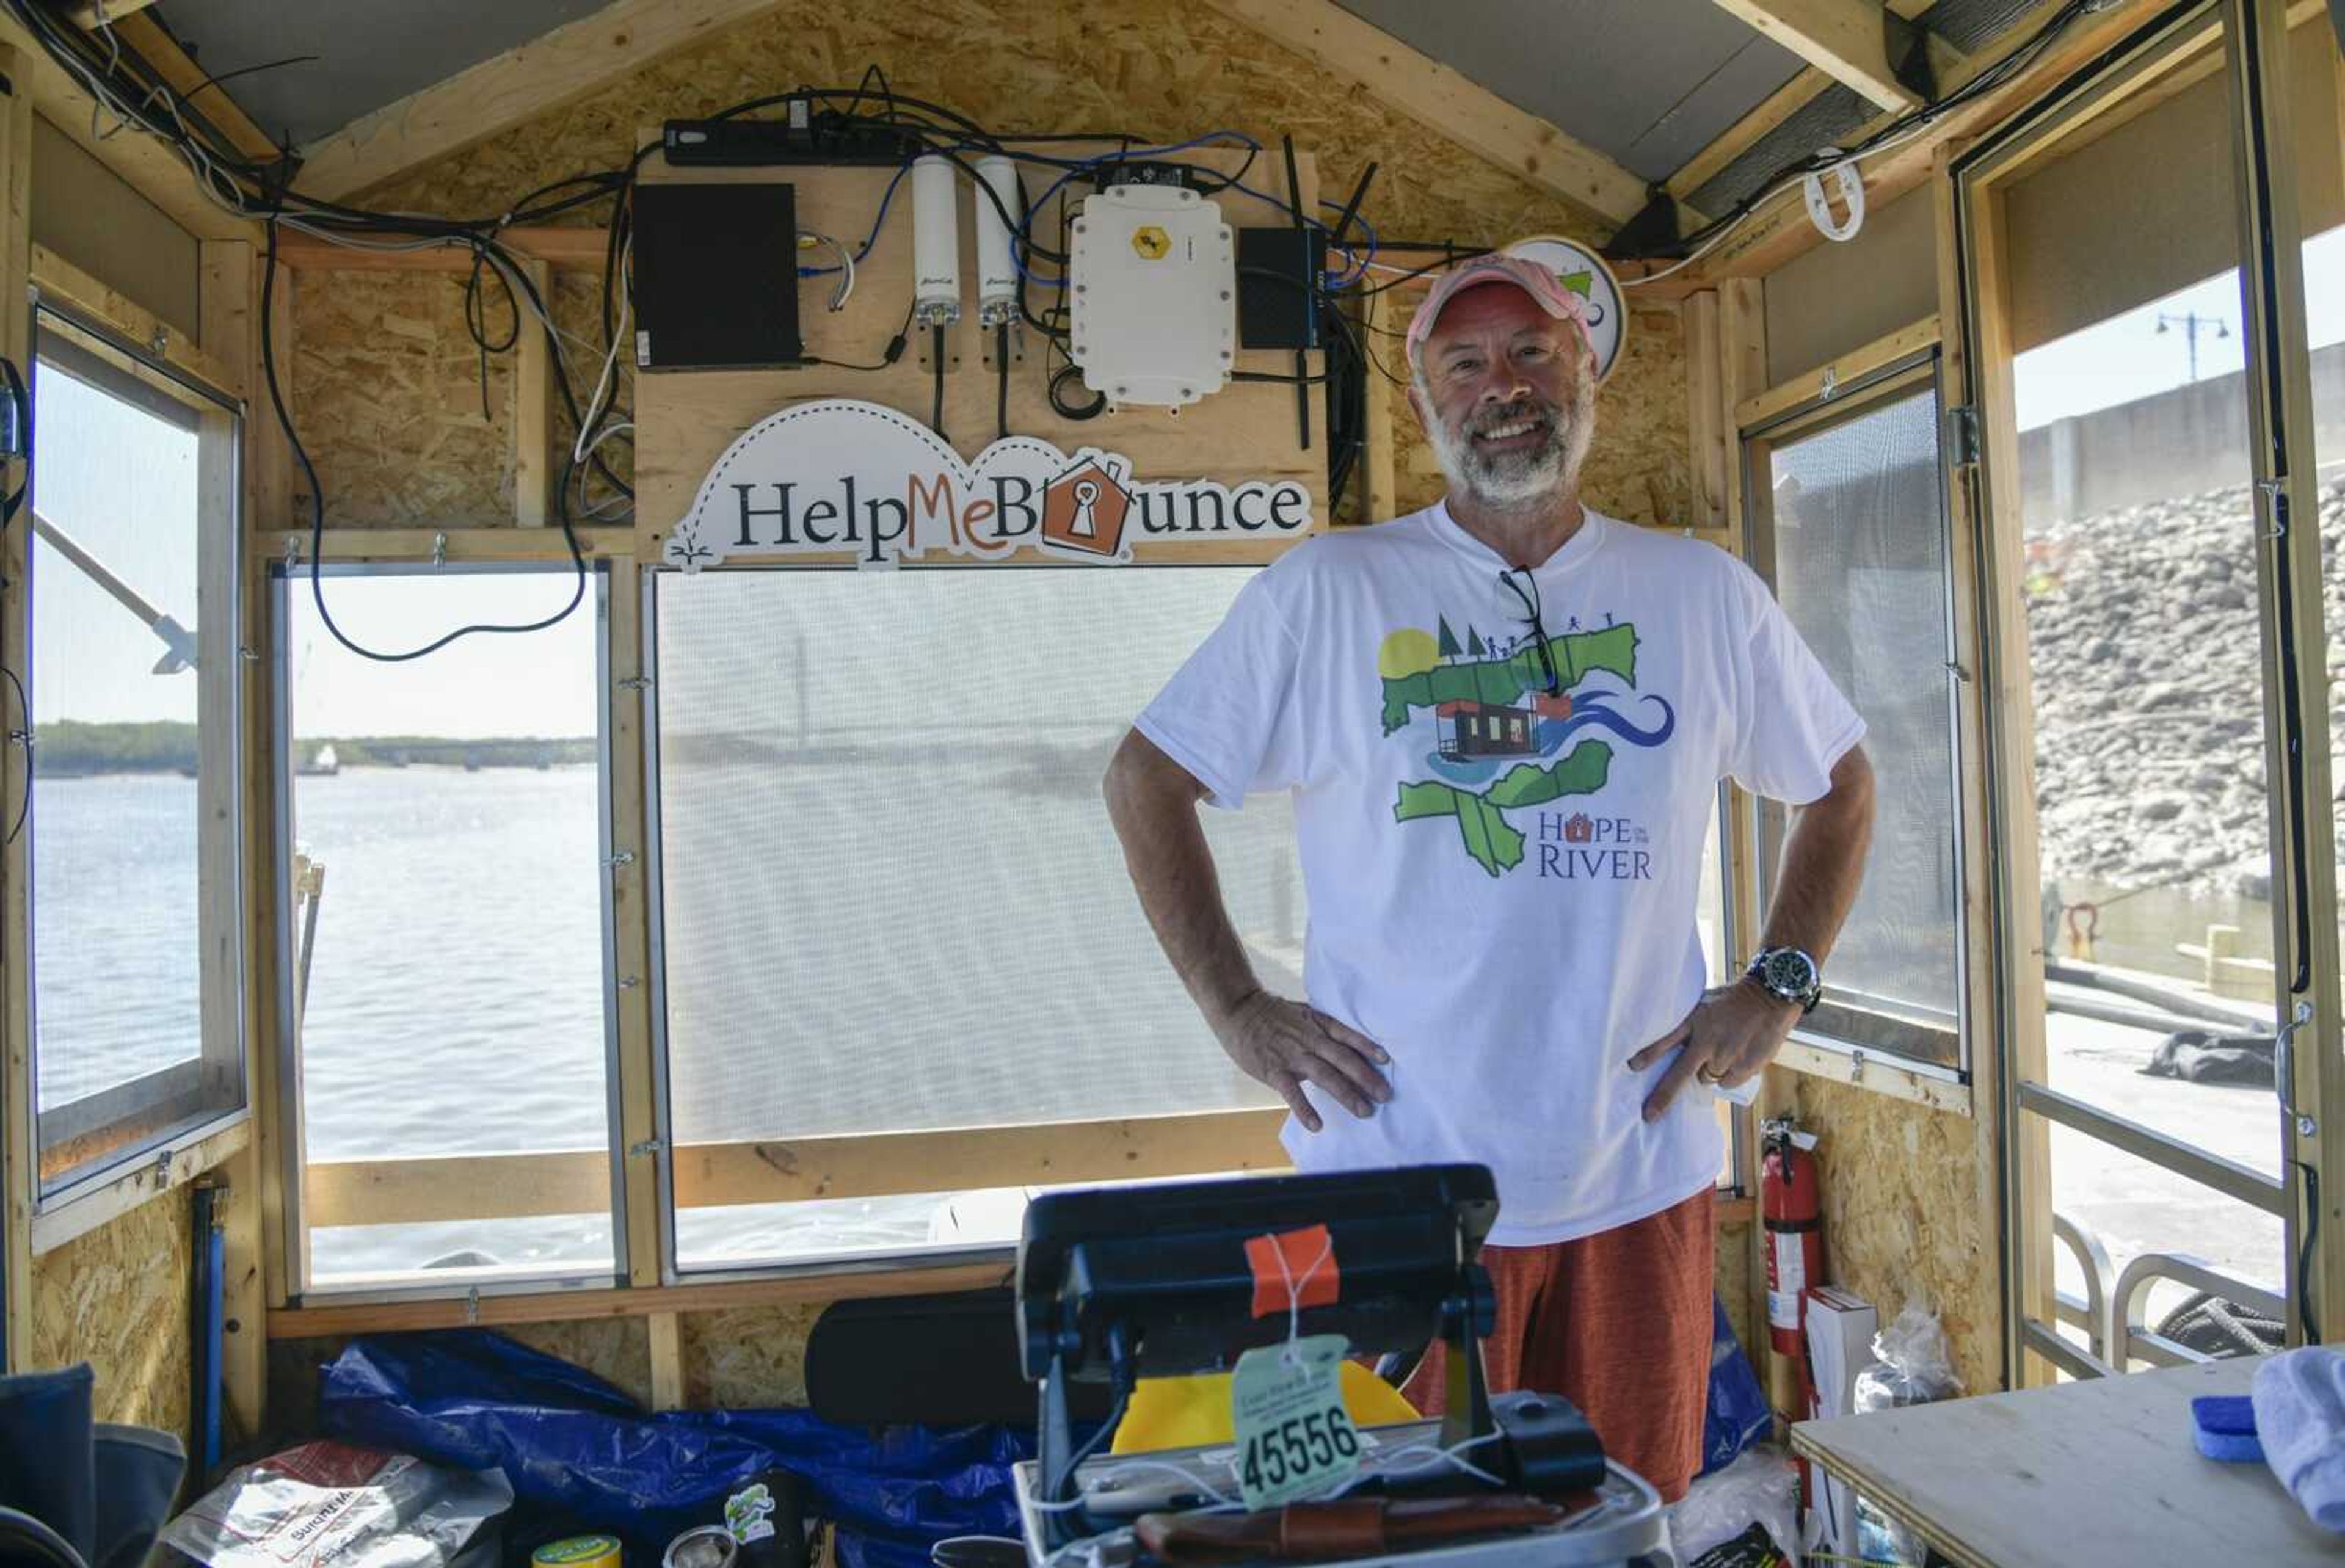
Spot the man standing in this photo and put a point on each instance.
(1501, 852)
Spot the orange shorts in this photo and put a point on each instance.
(1620, 1324)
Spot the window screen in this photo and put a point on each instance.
(1858, 543)
(891, 897)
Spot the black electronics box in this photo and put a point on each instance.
(1279, 273)
(716, 278)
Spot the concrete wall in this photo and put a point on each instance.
(2185, 442)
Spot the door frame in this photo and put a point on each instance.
(1986, 484)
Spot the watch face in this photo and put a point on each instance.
(1789, 972)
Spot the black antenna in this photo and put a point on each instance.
(1310, 294)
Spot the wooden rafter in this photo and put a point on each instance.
(1782, 104)
(499, 93)
(90, 13)
(1439, 97)
(145, 165)
(1779, 229)
(1847, 40)
(144, 37)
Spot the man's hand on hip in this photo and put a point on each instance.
(1287, 1044)
(1733, 1032)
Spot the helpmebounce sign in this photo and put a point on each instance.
(837, 476)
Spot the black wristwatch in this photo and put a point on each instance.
(1788, 974)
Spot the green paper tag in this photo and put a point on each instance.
(1294, 1435)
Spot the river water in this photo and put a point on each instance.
(457, 998)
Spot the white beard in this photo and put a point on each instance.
(1510, 478)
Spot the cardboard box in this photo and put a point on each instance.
(1840, 1328)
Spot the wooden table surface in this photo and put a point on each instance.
(2085, 1474)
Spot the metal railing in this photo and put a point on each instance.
(2111, 1313)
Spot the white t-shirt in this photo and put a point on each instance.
(1502, 882)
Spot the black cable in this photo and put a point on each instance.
(2304, 1254)
(24, 738)
(893, 352)
(318, 501)
(1076, 411)
(213, 81)
(15, 500)
(937, 362)
(1001, 371)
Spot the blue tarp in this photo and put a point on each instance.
(1738, 1414)
(584, 1451)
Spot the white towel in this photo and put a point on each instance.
(2299, 1398)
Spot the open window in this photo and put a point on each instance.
(448, 982)
(1849, 526)
(131, 689)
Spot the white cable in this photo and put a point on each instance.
(1850, 180)
(1223, 1500)
(838, 296)
(594, 412)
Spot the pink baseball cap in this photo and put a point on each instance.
(1539, 282)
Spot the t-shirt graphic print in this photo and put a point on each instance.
(1507, 727)
(1502, 783)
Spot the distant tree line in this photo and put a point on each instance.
(66, 748)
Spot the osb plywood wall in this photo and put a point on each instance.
(748, 1356)
(117, 1298)
(389, 398)
(1906, 1201)
(387, 380)
(1736, 1252)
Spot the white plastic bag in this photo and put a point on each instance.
(1760, 1486)
(1917, 1366)
(332, 1505)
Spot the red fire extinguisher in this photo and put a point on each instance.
(1791, 1207)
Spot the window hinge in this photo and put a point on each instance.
(1955, 669)
(629, 982)
(1855, 1066)
(162, 1168)
(472, 1305)
(159, 345)
(1962, 437)
(648, 1146)
(624, 857)
(438, 550)
(635, 682)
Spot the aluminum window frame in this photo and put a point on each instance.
(285, 577)
(1843, 404)
(182, 1115)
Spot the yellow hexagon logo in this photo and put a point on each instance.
(1150, 242)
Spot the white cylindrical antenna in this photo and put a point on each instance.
(997, 273)
(936, 241)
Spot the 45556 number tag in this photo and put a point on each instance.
(1294, 1435)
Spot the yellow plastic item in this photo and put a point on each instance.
(578, 1551)
(1195, 1412)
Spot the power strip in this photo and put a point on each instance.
(754, 143)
